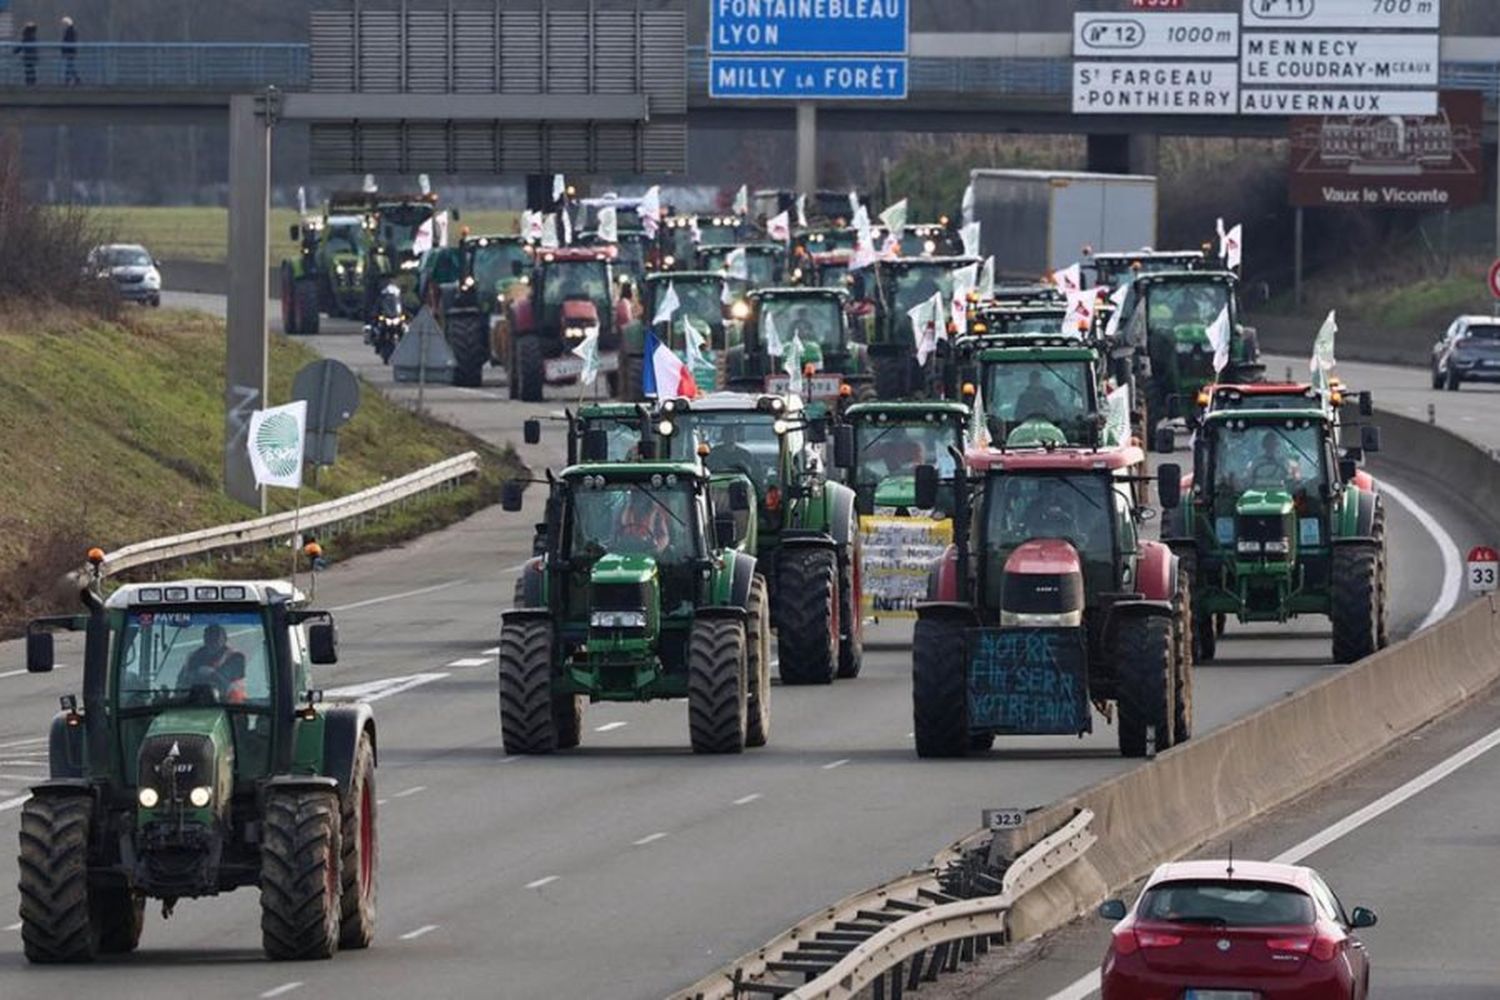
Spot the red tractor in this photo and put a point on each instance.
(1049, 604)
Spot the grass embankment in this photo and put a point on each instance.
(201, 233)
(112, 433)
(1396, 296)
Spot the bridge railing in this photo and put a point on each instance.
(218, 66)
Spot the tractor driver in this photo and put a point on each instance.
(643, 525)
(215, 664)
(1036, 400)
(802, 325)
(1273, 466)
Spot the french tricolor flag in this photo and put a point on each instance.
(665, 376)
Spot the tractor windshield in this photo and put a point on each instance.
(1189, 303)
(817, 320)
(715, 233)
(909, 287)
(764, 268)
(1284, 456)
(193, 657)
(493, 264)
(886, 450)
(1076, 507)
(701, 300)
(346, 238)
(833, 275)
(623, 433)
(636, 518)
(631, 255)
(399, 225)
(742, 442)
(578, 280)
(1038, 389)
(1018, 323)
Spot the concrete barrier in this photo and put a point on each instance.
(1281, 334)
(1220, 780)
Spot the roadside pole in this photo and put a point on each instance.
(245, 340)
(807, 147)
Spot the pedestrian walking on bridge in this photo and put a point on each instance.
(27, 49)
(70, 52)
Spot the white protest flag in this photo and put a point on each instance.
(1231, 244)
(536, 227)
(559, 187)
(1322, 356)
(1218, 339)
(696, 340)
(964, 280)
(274, 441)
(894, 218)
(1112, 329)
(864, 254)
(588, 350)
(779, 227)
(1080, 313)
(440, 229)
(737, 264)
(742, 201)
(854, 204)
(422, 242)
(567, 226)
(668, 305)
(649, 210)
(987, 280)
(802, 211)
(970, 235)
(549, 231)
(609, 225)
(1069, 279)
(792, 365)
(774, 347)
(1117, 415)
(979, 424)
(968, 204)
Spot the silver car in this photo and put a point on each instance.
(135, 273)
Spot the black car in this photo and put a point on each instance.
(1468, 352)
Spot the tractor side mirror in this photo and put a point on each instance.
(1112, 909)
(323, 643)
(39, 652)
(1348, 468)
(596, 445)
(926, 486)
(725, 532)
(1366, 405)
(531, 431)
(817, 431)
(295, 232)
(512, 496)
(1369, 439)
(843, 447)
(739, 496)
(1169, 485)
(1166, 440)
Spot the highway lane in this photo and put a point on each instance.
(629, 867)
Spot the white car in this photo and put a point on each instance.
(136, 274)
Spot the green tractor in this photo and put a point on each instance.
(679, 237)
(901, 285)
(328, 273)
(765, 263)
(1276, 522)
(1027, 379)
(396, 223)
(1111, 270)
(638, 593)
(202, 760)
(818, 319)
(1166, 317)
(1049, 604)
(701, 296)
(468, 285)
(807, 532)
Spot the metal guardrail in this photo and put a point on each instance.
(213, 66)
(284, 525)
(908, 928)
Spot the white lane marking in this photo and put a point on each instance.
(649, 838)
(745, 800)
(424, 929)
(14, 927)
(471, 661)
(283, 988)
(610, 727)
(413, 790)
(1452, 564)
(399, 597)
(541, 882)
(34, 741)
(478, 392)
(1089, 984)
(13, 803)
(492, 651)
(509, 760)
(837, 763)
(381, 802)
(383, 688)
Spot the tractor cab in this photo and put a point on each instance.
(930, 240)
(902, 284)
(1033, 384)
(815, 318)
(888, 440)
(633, 253)
(681, 235)
(1111, 270)
(765, 263)
(1334, 397)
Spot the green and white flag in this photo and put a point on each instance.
(742, 200)
(772, 337)
(275, 442)
(1117, 416)
(979, 425)
(1322, 356)
(588, 351)
(894, 218)
(792, 365)
(970, 235)
(1218, 338)
(987, 280)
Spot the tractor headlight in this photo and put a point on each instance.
(201, 796)
(669, 261)
(148, 798)
(467, 283)
(1248, 548)
(617, 619)
(1280, 547)
(666, 428)
(338, 269)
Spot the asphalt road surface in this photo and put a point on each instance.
(629, 867)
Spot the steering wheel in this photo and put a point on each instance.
(1267, 469)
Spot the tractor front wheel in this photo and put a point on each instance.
(717, 693)
(1145, 684)
(57, 918)
(758, 657)
(940, 690)
(305, 293)
(1355, 602)
(466, 339)
(807, 589)
(119, 916)
(300, 883)
(528, 722)
(361, 851)
(529, 375)
(567, 720)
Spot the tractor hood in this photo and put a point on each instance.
(623, 569)
(896, 491)
(1263, 503)
(579, 312)
(1036, 433)
(1043, 585)
(184, 749)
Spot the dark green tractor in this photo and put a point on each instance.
(201, 760)
(902, 285)
(1166, 318)
(328, 273)
(765, 263)
(469, 284)
(638, 593)
(1276, 523)
(886, 441)
(818, 319)
(1030, 380)
(1111, 270)
(701, 296)
(807, 530)
(680, 236)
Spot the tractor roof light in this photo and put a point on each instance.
(148, 798)
(969, 390)
(666, 428)
(740, 309)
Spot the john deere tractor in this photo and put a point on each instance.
(1277, 522)
(1111, 270)
(201, 759)
(638, 594)
(815, 318)
(328, 273)
(1049, 604)
(700, 296)
(1029, 379)
(807, 534)
(679, 237)
(901, 285)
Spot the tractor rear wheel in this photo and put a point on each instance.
(567, 720)
(1355, 602)
(717, 696)
(288, 301)
(1182, 675)
(1205, 638)
(57, 922)
(1145, 684)
(470, 347)
(529, 376)
(631, 387)
(305, 292)
(758, 663)
(851, 611)
(360, 862)
(807, 589)
(300, 885)
(528, 723)
(940, 690)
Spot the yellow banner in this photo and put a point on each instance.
(897, 554)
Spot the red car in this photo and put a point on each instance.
(1235, 930)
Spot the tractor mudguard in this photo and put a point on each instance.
(1156, 572)
(1131, 609)
(63, 786)
(65, 748)
(743, 576)
(719, 612)
(808, 540)
(1364, 481)
(949, 612)
(839, 500)
(519, 615)
(521, 320)
(1356, 516)
(343, 726)
(943, 577)
(298, 783)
